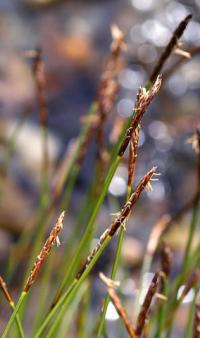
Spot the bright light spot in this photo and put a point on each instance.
(125, 107)
(177, 85)
(143, 5)
(158, 130)
(111, 313)
(131, 79)
(155, 32)
(147, 53)
(118, 186)
(158, 192)
(141, 139)
(188, 298)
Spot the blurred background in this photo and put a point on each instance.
(75, 39)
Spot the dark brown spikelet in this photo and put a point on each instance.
(170, 47)
(143, 99)
(196, 327)
(132, 200)
(53, 237)
(133, 156)
(38, 70)
(166, 260)
(6, 291)
(119, 220)
(146, 304)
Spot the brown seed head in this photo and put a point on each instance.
(53, 237)
(143, 99)
(5, 290)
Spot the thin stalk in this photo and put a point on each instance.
(87, 234)
(62, 333)
(14, 314)
(10, 301)
(160, 318)
(43, 291)
(18, 323)
(113, 274)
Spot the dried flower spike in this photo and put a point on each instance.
(119, 220)
(53, 237)
(146, 304)
(166, 260)
(143, 99)
(118, 305)
(5, 291)
(170, 47)
(109, 282)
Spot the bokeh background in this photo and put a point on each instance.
(75, 39)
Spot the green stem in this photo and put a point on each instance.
(14, 314)
(18, 323)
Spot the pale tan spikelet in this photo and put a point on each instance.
(53, 237)
(156, 232)
(119, 307)
(6, 291)
(133, 156)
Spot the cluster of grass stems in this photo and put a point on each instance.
(58, 303)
